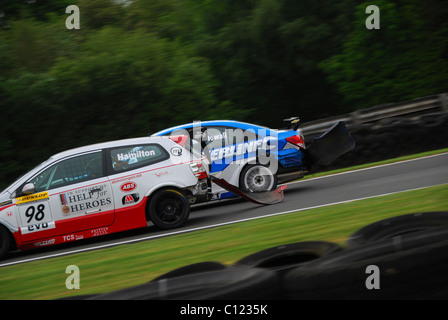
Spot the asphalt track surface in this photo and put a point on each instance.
(300, 195)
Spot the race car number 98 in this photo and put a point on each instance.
(35, 213)
(31, 213)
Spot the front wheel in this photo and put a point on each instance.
(169, 209)
(258, 178)
(5, 241)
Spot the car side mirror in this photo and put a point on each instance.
(28, 189)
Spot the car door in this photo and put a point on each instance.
(71, 194)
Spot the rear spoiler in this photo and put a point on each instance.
(292, 123)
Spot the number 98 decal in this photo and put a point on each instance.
(35, 216)
(32, 214)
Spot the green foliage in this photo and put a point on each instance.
(100, 13)
(268, 57)
(405, 59)
(118, 92)
(33, 46)
(39, 9)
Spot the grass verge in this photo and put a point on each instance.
(127, 265)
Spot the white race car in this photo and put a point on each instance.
(102, 189)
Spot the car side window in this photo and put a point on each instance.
(215, 137)
(136, 156)
(66, 172)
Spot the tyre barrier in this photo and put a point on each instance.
(225, 284)
(396, 226)
(404, 257)
(192, 269)
(285, 257)
(405, 270)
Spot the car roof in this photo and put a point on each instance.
(239, 124)
(105, 145)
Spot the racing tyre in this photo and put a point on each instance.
(169, 209)
(226, 284)
(257, 178)
(5, 241)
(192, 269)
(431, 121)
(394, 227)
(288, 256)
(413, 268)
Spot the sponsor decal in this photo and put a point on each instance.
(38, 227)
(72, 237)
(159, 174)
(85, 199)
(128, 186)
(32, 197)
(99, 231)
(267, 143)
(176, 151)
(135, 176)
(45, 243)
(220, 136)
(4, 203)
(135, 155)
(130, 198)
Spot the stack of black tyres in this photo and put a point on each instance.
(409, 251)
(257, 276)
(198, 282)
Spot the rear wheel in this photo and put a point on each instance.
(258, 178)
(169, 209)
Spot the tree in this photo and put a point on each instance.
(96, 14)
(267, 57)
(402, 60)
(38, 9)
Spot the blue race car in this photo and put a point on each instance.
(255, 158)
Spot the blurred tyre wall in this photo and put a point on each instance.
(407, 252)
